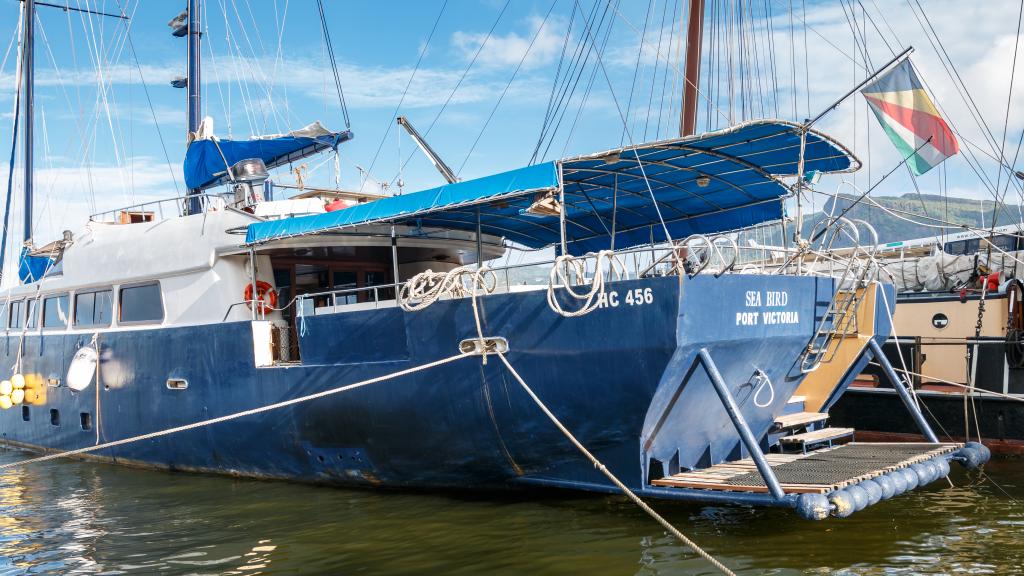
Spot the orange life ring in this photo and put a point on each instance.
(266, 297)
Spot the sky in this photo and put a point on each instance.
(478, 77)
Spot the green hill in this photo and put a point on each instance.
(891, 228)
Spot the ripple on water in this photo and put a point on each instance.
(61, 517)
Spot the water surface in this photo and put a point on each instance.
(73, 517)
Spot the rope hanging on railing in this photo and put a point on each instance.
(428, 287)
(606, 265)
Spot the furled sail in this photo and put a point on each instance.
(208, 157)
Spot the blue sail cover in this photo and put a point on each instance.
(718, 181)
(207, 160)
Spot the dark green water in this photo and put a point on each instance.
(69, 517)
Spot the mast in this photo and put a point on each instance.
(194, 71)
(694, 39)
(28, 66)
(188, 24)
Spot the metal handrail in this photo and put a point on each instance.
(208, 202)
(639, 269)
(333, 294)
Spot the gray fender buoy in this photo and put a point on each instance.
(983, 450)
(898, 481)
(969, 457)
(842, 503)
(813, 506)
(910, 477)
(924, 473)
(934, 469)
(943, 466)
(886, 485)
(874, 491)
(859, 496)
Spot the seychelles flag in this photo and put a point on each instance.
(908, 116)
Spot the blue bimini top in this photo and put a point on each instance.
(718, 181)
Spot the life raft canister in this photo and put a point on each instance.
(266, 297)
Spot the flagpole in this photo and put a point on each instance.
(868, 191)
(900, 57)
(806, 126)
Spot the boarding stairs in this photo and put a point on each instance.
(840, 318)
(839, 321)
(798, 429)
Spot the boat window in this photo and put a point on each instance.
(33, 313)
(378, 278)
(956, 247)
(55, 311)
(1005, 242)
(93, 308)
(345, 280)
(17, 315)
(141, 304)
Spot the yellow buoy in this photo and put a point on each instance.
(18, 381)
(6, 387)
(18, 396)
(5, 402)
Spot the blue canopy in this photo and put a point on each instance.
(207, 160)
(718, 181)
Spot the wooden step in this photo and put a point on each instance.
(823, 435)
(799, 419)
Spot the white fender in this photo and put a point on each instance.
(82, 369)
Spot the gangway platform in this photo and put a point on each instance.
(833, 481)
(819, 472)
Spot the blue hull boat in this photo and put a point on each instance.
(618, 378)
(367, 346)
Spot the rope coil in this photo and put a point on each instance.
(428, 287)
(606, 265)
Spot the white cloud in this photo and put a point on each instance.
(367, 87)
(66, 196)
(509, 49)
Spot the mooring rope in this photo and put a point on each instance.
(241, 414)
(428, 287)
(964, 386)
(608, 473)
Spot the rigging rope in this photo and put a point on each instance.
(590, 84)
(554, 84)
(334, 64)
(1006, 122)
(636, 67)
(152, 111)
(458, 85)
(391, 120)
(14, 152)
(507, 86)
(640, 164)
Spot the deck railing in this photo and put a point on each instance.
(157, 210)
